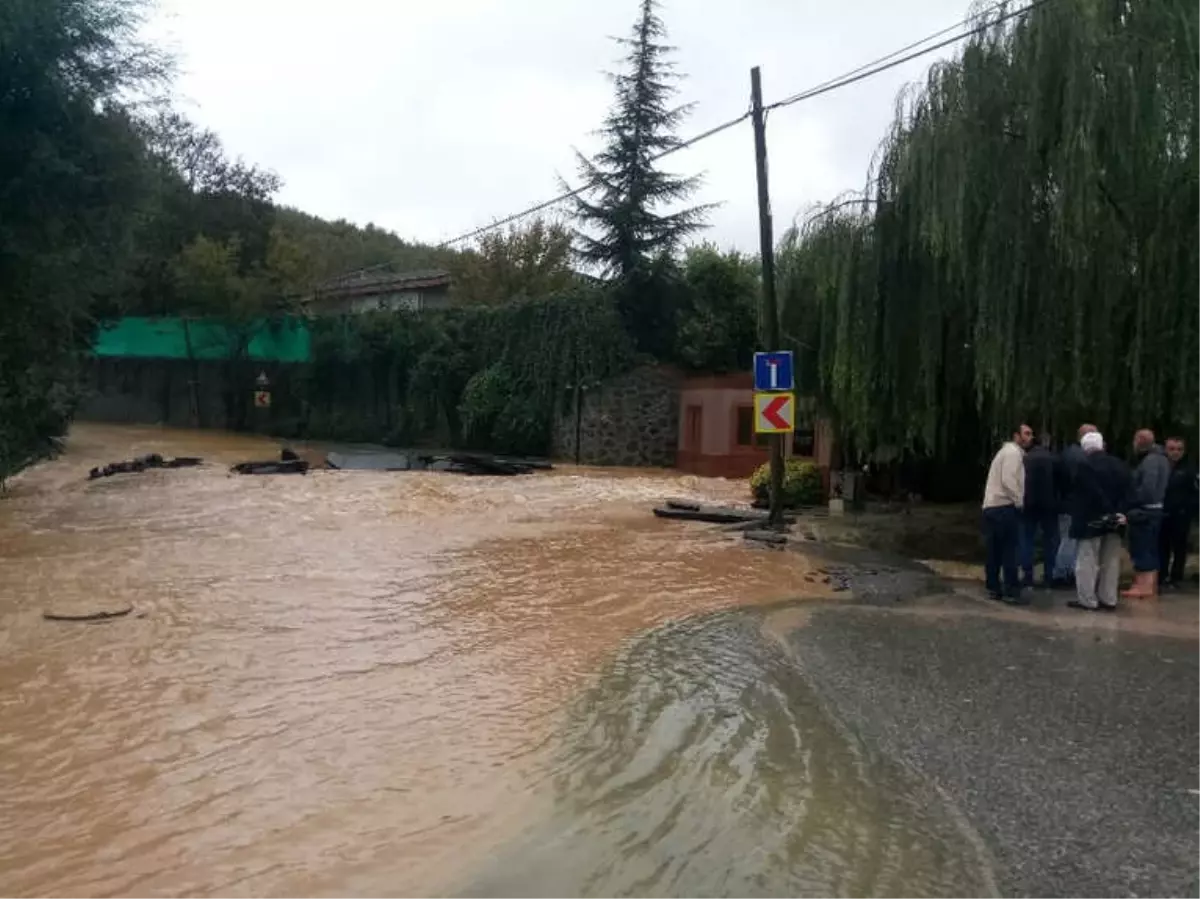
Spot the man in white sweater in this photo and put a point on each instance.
(1003, 497)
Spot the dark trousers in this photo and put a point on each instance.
(1002, 534)
(1173, 545)
(1033, 522)
(1144, 525)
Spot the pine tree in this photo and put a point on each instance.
(623, 233)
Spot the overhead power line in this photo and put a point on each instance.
(893, 59)
(554, 201)
(897, 57)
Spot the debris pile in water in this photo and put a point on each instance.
(141, 463)
(451, 463)
(287, 463)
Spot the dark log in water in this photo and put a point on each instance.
(713, 514)
(289, 466)
(471, 463)
(92, 615)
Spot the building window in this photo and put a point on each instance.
(692, 429)
(804, 440)
(745, 428)
(745, 425)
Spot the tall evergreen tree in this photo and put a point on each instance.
(625, 229)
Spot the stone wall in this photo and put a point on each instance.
(632, 419)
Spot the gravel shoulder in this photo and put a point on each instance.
(1070, 744)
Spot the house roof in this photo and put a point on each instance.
(357, 284)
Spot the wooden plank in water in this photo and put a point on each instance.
(713, 514)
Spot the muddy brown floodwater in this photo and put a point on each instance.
(372, 683)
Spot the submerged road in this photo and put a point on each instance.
(1068, 744)
(373, 683)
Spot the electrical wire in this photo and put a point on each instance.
(897, 57)
(908, 47)
(554, 201)
(889, 62)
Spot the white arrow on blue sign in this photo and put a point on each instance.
(773, 371)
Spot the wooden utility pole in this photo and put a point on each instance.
(770, 311)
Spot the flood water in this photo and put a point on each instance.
(416, 683)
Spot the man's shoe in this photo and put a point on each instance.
(1019, 600)
(1076, 604)
(1105, 607)
(994, 596)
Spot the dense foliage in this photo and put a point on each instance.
(802, 484)
(625, 231)
(1027, 246)
(718, 314)
(70, 187)
(489, 377)
(531, 261)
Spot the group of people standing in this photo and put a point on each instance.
(1078, 505)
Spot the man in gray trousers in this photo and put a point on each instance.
(1064, 563)
(1098, 507)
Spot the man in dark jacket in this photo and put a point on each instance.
(1072, 457)
(1145, 513)
(1099, 500)
(1045, 485)
(1179, 508)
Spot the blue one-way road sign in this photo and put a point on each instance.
(773, 371)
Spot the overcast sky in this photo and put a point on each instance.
(432, 118)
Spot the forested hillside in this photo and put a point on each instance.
(112, 203)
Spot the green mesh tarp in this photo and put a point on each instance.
(276, 340)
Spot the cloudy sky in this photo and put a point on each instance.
(432, 118)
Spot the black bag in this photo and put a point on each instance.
(1138, 516)
(1106, 524)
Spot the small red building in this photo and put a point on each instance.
(716, 429)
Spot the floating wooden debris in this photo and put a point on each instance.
(713, 514)
(451, 463)
(773, 538)
(269, 466)
(87, 612)
(142, 463)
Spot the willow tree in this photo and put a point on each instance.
(1027, 243)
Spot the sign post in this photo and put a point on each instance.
(770, 312)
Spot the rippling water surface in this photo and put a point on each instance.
(373, 683)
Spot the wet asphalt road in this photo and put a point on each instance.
(1072, 753)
